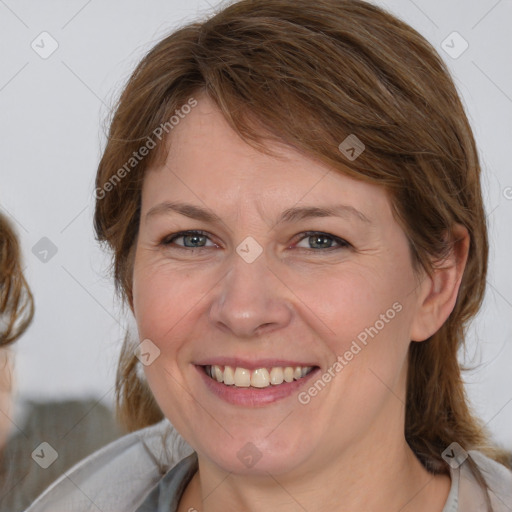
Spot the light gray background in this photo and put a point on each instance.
(51, 132)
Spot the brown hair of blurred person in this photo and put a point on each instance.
(16, 312)
(16, 301)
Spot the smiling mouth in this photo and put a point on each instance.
(257, 378)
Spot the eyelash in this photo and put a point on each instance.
(169, 239)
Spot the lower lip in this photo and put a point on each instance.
(254, 397)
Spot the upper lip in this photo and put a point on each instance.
(251, 364)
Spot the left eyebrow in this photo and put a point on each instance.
(289, 215)
(339, 210)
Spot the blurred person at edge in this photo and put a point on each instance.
(322, 182)
(24, 423)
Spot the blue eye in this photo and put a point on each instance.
(198, 239)
(318, 240)
(191, 239)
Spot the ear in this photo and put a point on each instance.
(438, 293)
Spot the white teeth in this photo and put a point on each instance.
(258, 378)
(229, 376)
(218, 374)
(242, 378)
(288, 374)
(276, 375)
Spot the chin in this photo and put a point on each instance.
(256, 455)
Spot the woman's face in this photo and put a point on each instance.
(271, 282)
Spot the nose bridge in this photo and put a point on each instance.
(250, 298)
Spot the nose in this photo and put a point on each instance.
(250, 300)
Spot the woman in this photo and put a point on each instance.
(291, 193)
(16, 313)
(16, 302)
(73, 428)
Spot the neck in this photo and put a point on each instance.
(396, 481)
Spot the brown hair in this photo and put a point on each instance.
(16, 302)
(309, 74)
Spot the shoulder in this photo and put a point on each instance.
(498, 479)
(118, 476)
(72, 428)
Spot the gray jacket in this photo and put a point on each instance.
(125, 474)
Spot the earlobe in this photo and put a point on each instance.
(438, 292)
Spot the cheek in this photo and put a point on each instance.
(161, 300)
(368, 313)
(353, 300)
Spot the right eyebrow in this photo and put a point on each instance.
(188, 210)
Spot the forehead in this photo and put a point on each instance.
(208, 162)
